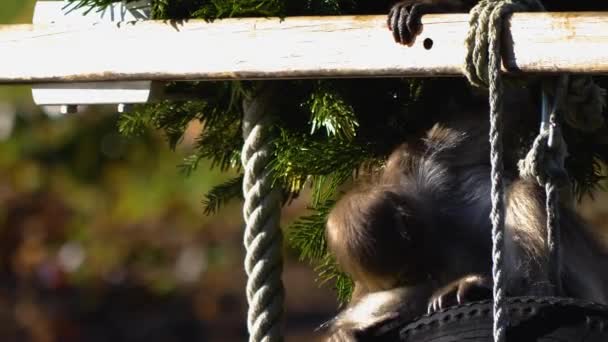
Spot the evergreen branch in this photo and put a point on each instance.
(173, 117)
(344, 288)
(190, 164)
(325, 187)
(307, 234)
(217, 9)
(299, 156)
(221, 194)
(328, 271)
(97, 5)
(221, 143)
(330, 111)
(135, 123)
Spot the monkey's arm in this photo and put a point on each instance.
(373, 308)
(404, 16)
(406, 304)
(466, 289)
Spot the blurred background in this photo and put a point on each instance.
(103, 239)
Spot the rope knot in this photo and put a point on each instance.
(545, 161)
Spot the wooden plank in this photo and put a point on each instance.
(299, 47)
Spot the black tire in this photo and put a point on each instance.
(531, 319)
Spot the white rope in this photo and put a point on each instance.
(263, 237)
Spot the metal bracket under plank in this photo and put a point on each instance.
(69, 95)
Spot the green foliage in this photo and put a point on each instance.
(91, 5)
(328, 271)
(308, 234)
(245, 8)
(331, 112)
(169, 116)
(215, 9)
(222, 194)
(220, 143)
(298, 157)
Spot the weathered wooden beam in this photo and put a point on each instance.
(299, 47)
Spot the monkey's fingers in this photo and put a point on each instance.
(434, 305)
(431, 308)
(414, 19)
(445, 298)
(467, 289)
(397, 22)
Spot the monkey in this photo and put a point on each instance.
(418, 238)
(404, 18)
(386, 234)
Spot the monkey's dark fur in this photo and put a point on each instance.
(418, 238)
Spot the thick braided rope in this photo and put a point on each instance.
(263, 237)
(482, 68)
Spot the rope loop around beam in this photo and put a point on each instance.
(483, 69)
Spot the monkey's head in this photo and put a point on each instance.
(377, 236)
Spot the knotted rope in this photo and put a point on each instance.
(263, 236)
(578, 101)
(545, 163)
(482, 69)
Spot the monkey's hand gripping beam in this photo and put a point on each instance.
(299, 47)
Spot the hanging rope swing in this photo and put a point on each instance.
(482, 68)
(263, 237)
(545, 161)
